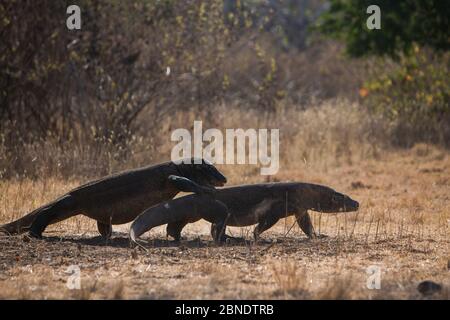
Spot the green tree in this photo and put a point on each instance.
(403, 24)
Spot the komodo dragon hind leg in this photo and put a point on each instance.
(174, 229)
(218, 217)
(218, 232)
(219, 235)
(105, 230)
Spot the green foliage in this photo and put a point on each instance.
(411, 92)
(403, 23)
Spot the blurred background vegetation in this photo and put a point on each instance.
(91, 101)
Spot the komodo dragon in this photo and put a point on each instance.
(262, 204)
(121, 197)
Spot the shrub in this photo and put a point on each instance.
(413, 95)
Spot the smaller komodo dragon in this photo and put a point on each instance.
(121, 197)
(245, 205)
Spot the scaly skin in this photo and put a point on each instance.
(261, 204)
(118, 198)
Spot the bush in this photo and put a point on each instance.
(413, 95)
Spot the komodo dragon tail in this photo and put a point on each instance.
(21, 225)
(24, 224)
(164, 213)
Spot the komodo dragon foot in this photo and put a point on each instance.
(232, 240)
(318, 236)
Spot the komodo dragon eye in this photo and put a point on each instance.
(337, 198)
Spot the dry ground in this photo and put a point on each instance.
(402, 227)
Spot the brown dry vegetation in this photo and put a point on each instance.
(402, 226)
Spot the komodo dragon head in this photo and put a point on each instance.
(200, 171)
(324, 199)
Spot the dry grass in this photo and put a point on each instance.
(326, 134)
(402, 226)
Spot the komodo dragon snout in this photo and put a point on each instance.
(327, 200)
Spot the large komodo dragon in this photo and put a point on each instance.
(120, 198)
(262, 204)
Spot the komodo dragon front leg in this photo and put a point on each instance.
(304, 222)
(218, 229)
(105, 229)
(174, 229)
(187, 185)
(277, 211)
